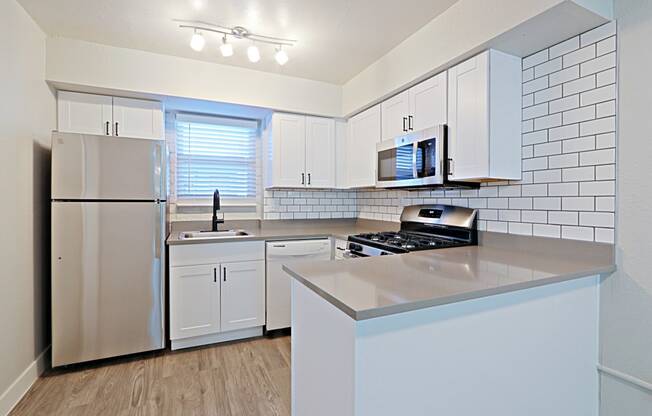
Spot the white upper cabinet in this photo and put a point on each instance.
(364, 134)
(420, 107)
(320, 152)
(137, 118)
(395, 111)
(484, 118)
(109, 116)
(303, 152)
(243, 295)
(84, 113)
(428, 106)
(288, 150)
(341, 134)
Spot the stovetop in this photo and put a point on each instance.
(405, 241)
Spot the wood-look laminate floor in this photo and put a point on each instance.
(236, 379)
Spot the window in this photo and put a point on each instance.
(215, 153)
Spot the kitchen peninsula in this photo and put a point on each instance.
(434, 332)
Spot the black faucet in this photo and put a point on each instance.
(216, 207)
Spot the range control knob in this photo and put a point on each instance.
(355, 247)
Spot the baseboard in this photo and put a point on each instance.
(217, 338)
(22, 384)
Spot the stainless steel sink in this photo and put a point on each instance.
(212, 235)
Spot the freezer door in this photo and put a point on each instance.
(107, 279)
(99, 167)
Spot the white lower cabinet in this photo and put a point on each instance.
(195, 296)
(243, 295)
(217, 292)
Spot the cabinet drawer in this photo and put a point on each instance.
(210, 253)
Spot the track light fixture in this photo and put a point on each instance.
(198, 42)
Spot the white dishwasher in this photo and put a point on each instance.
(278, 281)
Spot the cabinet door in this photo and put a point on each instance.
(428, 103)
(84, 113)
(137, 118)
(243, 295)
(320, 152)
(341, 133)
(395, 116)
(288, 150)
(468, 118)
(194, 301)
(364, 134)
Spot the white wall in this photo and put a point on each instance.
(626, 309)
(467, 27)
(26, 119)
(91, 65)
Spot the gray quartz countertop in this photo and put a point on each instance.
(372, 287)
(277, 230)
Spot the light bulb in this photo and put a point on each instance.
(280, 56)
(197, 42)
(253, 53)
(226, 48)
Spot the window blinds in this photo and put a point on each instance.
(215, 153)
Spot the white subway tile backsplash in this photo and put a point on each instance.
(565, 75)
(605, 203)
(535, 85)
(564, 132)
(563, 217)
(509, 215)
(547, 67)
(598, 95)
(520, 228)
(606, 45)
(597, 219)
(580, 144)
(579, 174)
(563, 161)
(598, 188)
(583, 203)
(548, 94)
(599, 64)
(606, 77)
(528, 75)
(581, 55)
(598, 157)
(535, 190)
(537, 163)
(605, 172)
(546, 122)
(497, 227)
(544, 230)
(578, 115)
(577, 233)
(535, 59)
(563, 189)
(603, 141)
(546, 149)
(564, 47)
(598, 126)
(535, 111)
(549, 203)
(605, 109)
(564, 104)
(599, 33)
(547, 176)
(604, 235)
(520, 203)
(534, 216)
(579, 85)
(540, 136)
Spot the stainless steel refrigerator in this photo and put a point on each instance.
(108, 246)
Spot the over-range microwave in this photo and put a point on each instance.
(413, 160)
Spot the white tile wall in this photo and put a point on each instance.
(569, 119)
(288, 204)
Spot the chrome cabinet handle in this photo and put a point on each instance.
(410, 123)
(225, 274)
(308, 179)
(303, 179)
(450, 166)
(116, 128)
(107, 128)
(404, 120)
(215, 274)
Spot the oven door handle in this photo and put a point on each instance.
(415, 170)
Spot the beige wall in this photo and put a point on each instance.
(26, 119)
(102, 67)
(626, 310)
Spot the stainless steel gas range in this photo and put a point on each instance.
(423, 227)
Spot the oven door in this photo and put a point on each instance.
(412, 160)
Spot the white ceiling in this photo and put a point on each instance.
(337, 38)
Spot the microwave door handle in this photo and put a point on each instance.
(415, 149)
